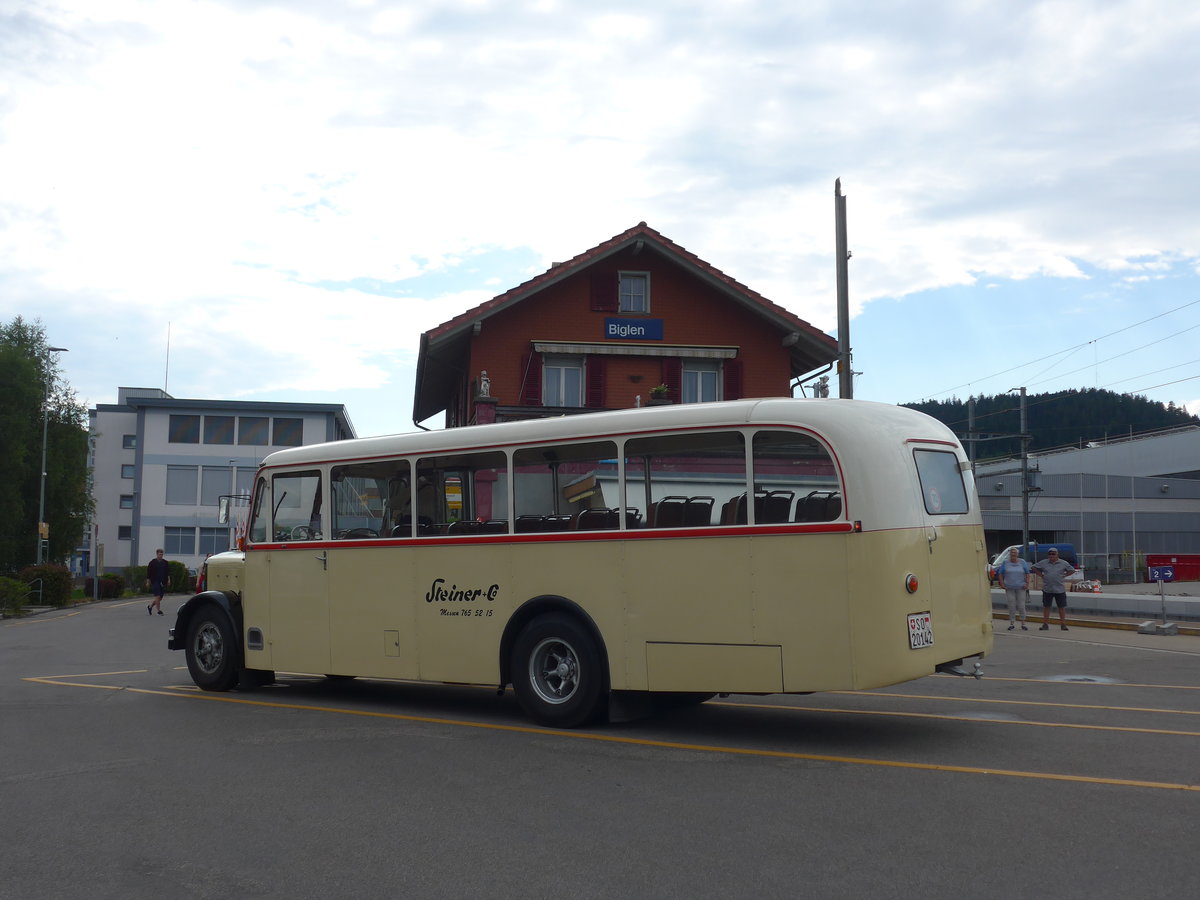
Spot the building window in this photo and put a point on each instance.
(634, 292)
(124, 532)
(245, 482)
(214, 481)
(127, 501)
(288, 433)
(562, 381)
(214, 540)
(252, 430)
(127, 470)
(218, 429)
(129, 442)
(701, 381)
(179, 541)
(181, 485)
(184, 430)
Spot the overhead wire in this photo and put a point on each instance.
(1071, 349)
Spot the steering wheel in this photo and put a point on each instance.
(301, 533)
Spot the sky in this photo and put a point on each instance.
(270, 201)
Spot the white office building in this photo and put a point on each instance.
(1114, 500)
(159, 466)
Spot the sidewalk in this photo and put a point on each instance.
(1124, 607)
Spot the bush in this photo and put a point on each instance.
(12, 595)
(56, 583)
(111, 587)
(135, 577)
(178, 579)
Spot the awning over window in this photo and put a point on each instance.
(613, 349)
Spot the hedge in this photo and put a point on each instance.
(56, 583)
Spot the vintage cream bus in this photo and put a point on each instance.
(752, 546)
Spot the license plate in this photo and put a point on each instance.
(920, 630)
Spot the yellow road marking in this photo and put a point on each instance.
(916, 715)
(665, 745)
(1147, 709)
(1109, 684)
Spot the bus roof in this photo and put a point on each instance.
(838, 420)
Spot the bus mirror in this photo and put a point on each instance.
(223, 511)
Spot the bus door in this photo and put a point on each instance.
(299, 630)
(951, 552)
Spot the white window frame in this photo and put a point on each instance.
(179, 540)
(631, 301)
(699, 375)
(554, 388)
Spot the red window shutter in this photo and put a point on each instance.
(733, 379)
(596, 370)
(604, 292)
(531, 383)
(672, 377)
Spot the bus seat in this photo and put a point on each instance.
(698, 511)
(819, 506)
(667, 512)
(776, 506)
(729, 510)
(465, 526)
(633, 517)
(494, 526)
(528, 524)
(556, 523)
(596, 519)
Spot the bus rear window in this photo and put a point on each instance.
(941, 482)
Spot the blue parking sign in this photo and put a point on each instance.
(1162, 573)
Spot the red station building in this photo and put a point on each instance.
(636, 319)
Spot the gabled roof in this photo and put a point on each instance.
(812, 346)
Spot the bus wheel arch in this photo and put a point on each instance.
(554, 656)
(214, 657)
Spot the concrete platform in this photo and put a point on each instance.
(1125, 605)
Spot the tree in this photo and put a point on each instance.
(1058, 419)
(31, 388)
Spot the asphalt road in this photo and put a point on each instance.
(1071, 770)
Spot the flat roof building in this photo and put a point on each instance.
(159, 465)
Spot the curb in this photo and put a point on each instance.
(1192, 630)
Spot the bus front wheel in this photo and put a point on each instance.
(556, 672)
(212, 653)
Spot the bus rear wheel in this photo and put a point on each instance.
(557, 672)
(212, 653)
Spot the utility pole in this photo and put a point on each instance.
(845, 373)
(1024, 478)
(971, 436)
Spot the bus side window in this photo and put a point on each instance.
(258, 519)
(452, 491)
(367, 498)
(558, 485)
(297, 513)
(794, 479)
(683, 479)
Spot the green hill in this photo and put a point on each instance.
(1058, 419)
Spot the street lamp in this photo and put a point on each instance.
(45, 426)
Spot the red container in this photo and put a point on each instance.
(1186, 565)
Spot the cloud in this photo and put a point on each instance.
(233, 167)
